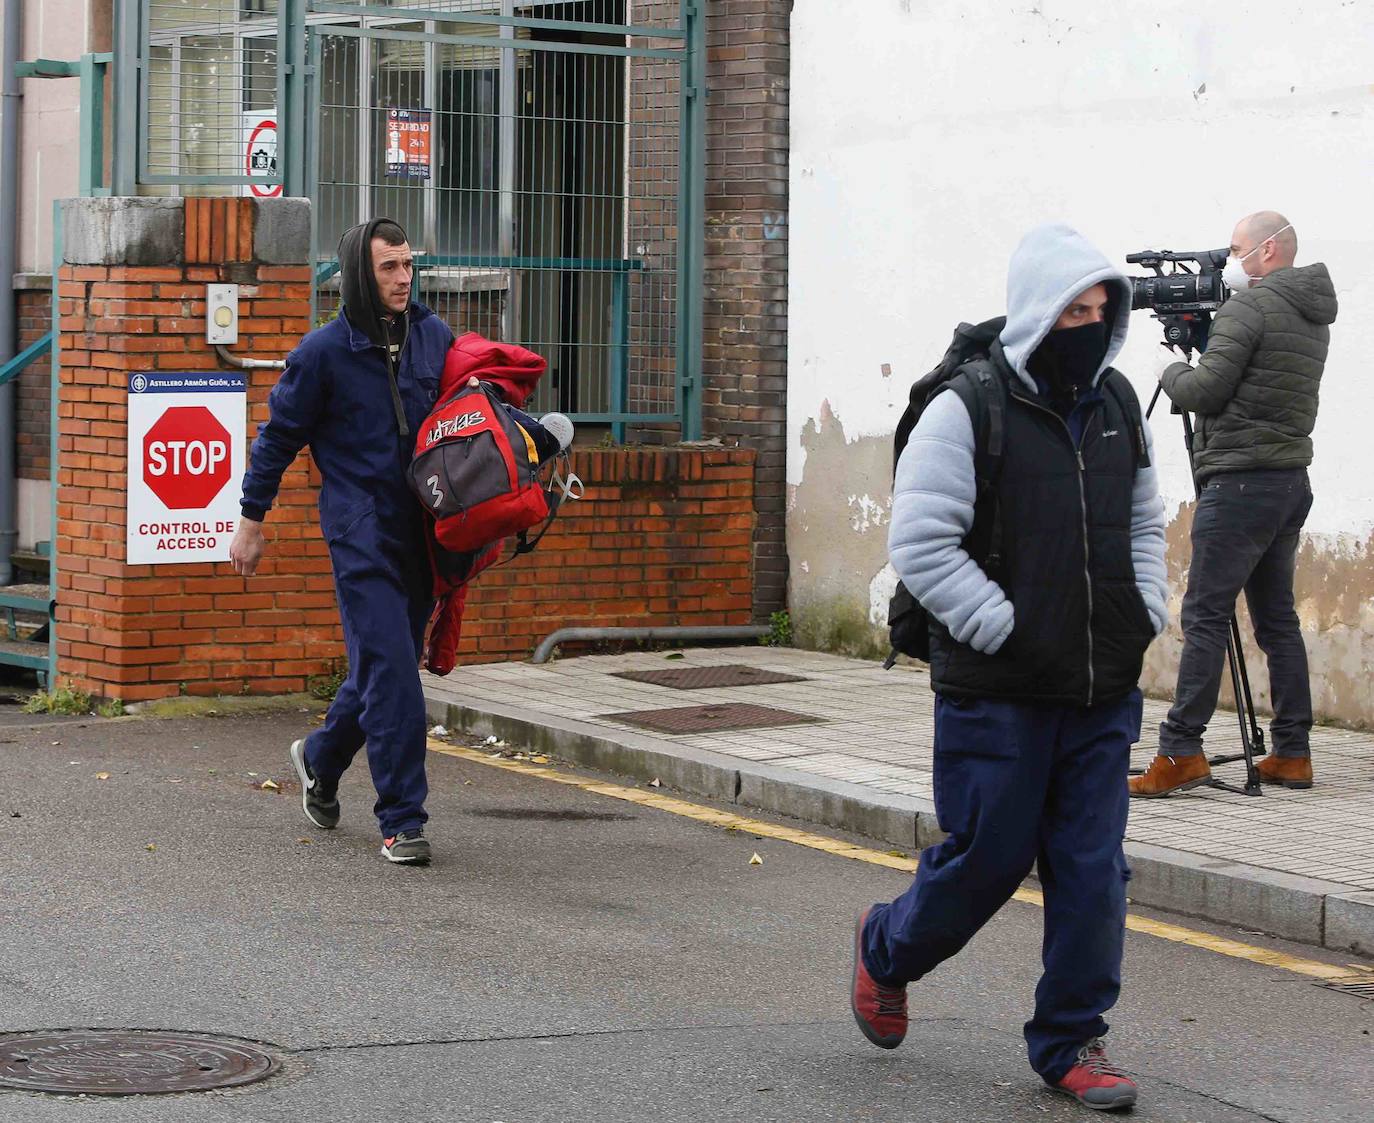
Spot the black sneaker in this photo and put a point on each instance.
(321, 805)
(407, 846)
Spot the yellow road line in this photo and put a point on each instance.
(730, 821)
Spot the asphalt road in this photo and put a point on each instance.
(567, 957)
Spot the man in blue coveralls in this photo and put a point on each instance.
(1035, 653)
(357, 391)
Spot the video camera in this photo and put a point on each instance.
(1182, 300)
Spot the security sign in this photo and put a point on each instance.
(186, 456)
(260, 152)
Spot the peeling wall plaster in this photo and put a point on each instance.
(841, 582)
(837, 538)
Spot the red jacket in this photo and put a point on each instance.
(514, 372)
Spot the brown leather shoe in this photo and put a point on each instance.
(1169, 774)
(1290, 771)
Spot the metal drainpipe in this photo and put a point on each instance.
(12, 98)
(244, 363)
(711, 631)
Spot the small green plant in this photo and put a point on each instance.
(779, 630)
(325, 686)
(66, 699)
(112, 708)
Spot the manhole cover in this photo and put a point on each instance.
(711, 719)
(703, 678)
(129, 1062)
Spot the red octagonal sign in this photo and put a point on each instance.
(186, 457)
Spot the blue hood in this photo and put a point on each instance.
(1051, 266)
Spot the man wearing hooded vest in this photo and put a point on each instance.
(356, 391)
(1254, 391)
(1034, 664)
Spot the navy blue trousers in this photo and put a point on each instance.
(1017, 786)
(383, 589)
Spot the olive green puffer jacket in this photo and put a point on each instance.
(1255, 387)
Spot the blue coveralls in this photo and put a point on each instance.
(335, 397)
(1019, 787)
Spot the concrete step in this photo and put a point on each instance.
(21, 653)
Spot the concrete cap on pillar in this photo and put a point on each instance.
(122, 231)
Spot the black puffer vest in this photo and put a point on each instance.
(1065, 559)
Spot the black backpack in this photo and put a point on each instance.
(967, 371)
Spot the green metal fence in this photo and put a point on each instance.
(546, 159)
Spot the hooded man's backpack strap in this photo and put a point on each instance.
(984, 394)
(1123, 393)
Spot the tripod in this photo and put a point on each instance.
(1251, 736)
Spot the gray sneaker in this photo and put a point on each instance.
(410, 847)
(321, 805)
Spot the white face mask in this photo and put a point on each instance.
(1234, 275)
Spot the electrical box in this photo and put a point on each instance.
(221, 314)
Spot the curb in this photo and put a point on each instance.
(1304, 909)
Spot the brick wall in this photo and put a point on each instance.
(662, 538)
(33, 398)
(138, 631)
(744, 360)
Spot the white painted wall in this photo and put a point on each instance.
(928, 136)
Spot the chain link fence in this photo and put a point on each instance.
(533, 151)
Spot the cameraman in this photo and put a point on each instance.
(1254, 391)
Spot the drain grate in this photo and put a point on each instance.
(129, 1062)
(705, 678)
(1361, 986)
(711, 719)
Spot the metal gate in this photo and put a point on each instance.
(546, 158)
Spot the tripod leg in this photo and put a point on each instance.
(1153, 400)
(1256, 733)
(1236, 658)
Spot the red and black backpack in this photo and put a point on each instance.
(477, 473)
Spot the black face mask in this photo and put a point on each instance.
(1068, 359)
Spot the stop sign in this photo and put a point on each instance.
(186, 457)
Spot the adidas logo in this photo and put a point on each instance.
(451, 426)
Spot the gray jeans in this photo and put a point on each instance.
(1245, 537)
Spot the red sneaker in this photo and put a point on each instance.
(1095, 1082)
(879, 1010)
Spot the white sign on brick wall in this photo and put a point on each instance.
(186, 455)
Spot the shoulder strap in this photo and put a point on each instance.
(984, 394)
(564, 485)
(1114, 382)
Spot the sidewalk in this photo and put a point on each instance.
(858, 757)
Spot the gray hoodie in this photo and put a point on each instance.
(935, 488)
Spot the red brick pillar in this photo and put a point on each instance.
(132, 293)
